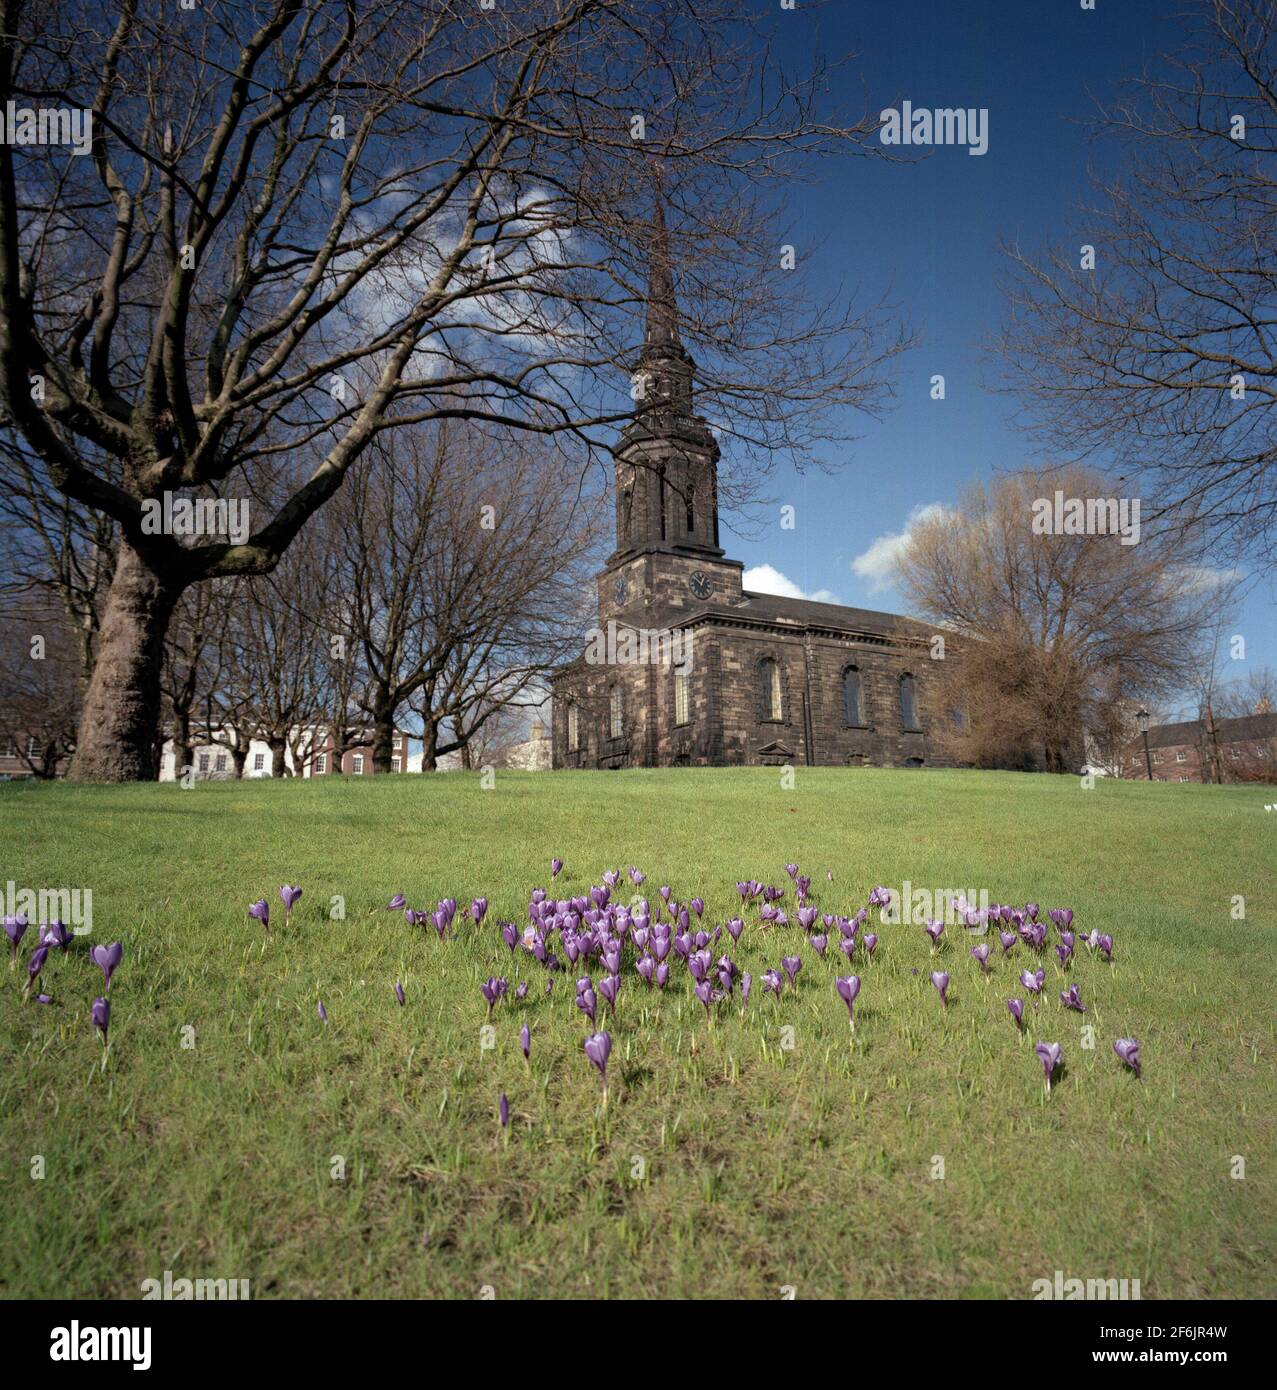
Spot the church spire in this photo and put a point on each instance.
(662, 311)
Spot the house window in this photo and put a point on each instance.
(357, 764)
(1181, 756)
(321, 762)
(1234, 752)
(1261, 751)
(32, 746)
(395, 763)
(615, 712)
(220, 764)
(203, 762)
(682, 699)
(908, 704)
(1183, 777)
(851, 696)
(770, 705)
(574, 728)
(259, 761)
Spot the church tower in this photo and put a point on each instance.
(667, 458)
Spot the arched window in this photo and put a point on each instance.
(660, 487)
(682, 699)
(615, 712)
(691, 509)
(574, 728)
(770, 706)
(627, 511)
(908, 703)
(851, 697)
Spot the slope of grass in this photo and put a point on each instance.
(732, 1158)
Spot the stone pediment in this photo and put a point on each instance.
(776, 752)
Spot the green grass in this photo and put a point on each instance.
(764, 1167)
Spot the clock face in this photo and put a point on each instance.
(622, 588)
(701, 584)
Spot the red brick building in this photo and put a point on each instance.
(1245, 750)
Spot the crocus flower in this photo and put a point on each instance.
(1017, 1010)
(934, 930)
(477, 909)
(399, 992)
(646, 967)
(791, 869)
(396, 903)
(1049, 1054)
(1105, 944)
(1032, 980)
(791, 966)
(940, 978)
(847, 945)
(662, 974)
(848, 988)
(289, 896)
(807, 917)
(261, 910)
(609, 987)
(746, 984)
(870, 942)
(322, 1012)
(503, 1111)
(525, 1041)
(820, 941)
(704, 991)
(101, 1016)
(636, 877)
(521, 990)
(34, 966)
(981, 953)
(734, 927)
(13, 929)
(510, 935)
(665, 891)
(57, 936)
(698, 906)
(1008, 939)
(586, 1001)
(1071, 999)
(598, 1048)
(1065, 953)
(492, 990)
(555, 866)
(772, 981)
(1128, 1049)
(880, 897)
(106, 958)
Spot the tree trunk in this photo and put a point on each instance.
(118, 726)
(383, 737)
(429, 742)
(467, 761)
(239, 756)
(184, 745)
(278, 763)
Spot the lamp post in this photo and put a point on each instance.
(1142, 718)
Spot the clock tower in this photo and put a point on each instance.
(666, 462)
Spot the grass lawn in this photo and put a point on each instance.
(725, 1164)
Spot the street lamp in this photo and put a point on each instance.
(1142, 719)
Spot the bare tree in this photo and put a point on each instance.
(1055, 633)
(306, 222)
(40, 685)
(1154, 332)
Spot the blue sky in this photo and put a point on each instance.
(930, 233)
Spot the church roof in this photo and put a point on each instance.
(799, 615)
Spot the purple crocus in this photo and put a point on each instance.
(101, 1016)
(819, 942)
(772, 981)
(598, 1048)
(1071, 999)
(609, 988)
(396, 903)
(1016, 1006)
(934, 930)
(34, 966)
(1065, 953)
(1050, 1055)
(1032, 980)
(746, 984)
(848, 988)
(525, 1042)
(791, 966)
(289, 895)
(492, 990)
(57, 936)
(322, 1012)
(662, 974)
(399, 995)
(13, 929)
(940, 978)
(636, 876)
(1105, 944)
(555, 866)
(871, 941)
(1128, 1049)
(734, 928)
(510, 935)
(981, 953)
(477, 910)
(704, 991)
(586, 1000)
(261, 910)
(503, 1111)
(1008, 939)
(106, 958)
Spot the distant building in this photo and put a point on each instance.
(18, 752)
(1186, 751)
(216, 762)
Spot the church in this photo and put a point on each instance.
(687, 667)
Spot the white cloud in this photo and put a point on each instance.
(878, 563)
(1201, 579)
(766, 579)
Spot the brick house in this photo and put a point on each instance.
(722, 676)
(215, 761)
(1185, 751)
